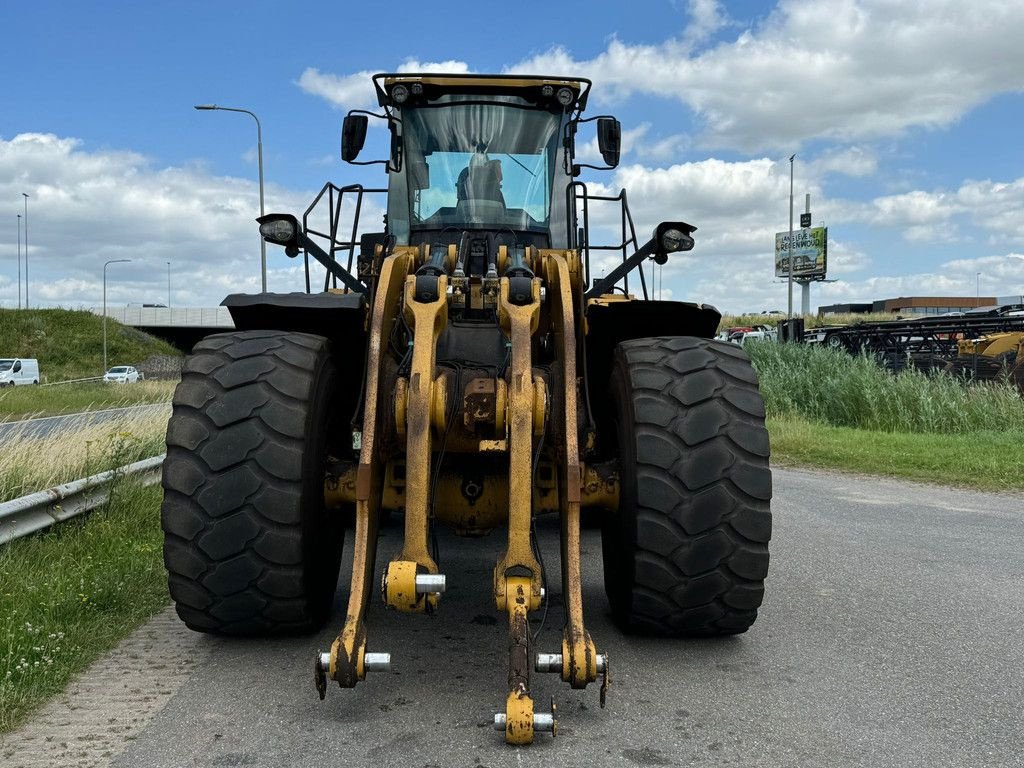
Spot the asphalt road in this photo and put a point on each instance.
(51, 426)
(889, 637)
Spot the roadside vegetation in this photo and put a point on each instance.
(70, 594)
(69, 343)
(28, 402)
(31, 463)
(827, 408)
(810, 321)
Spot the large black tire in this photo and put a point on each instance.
(249, 547)
(687, 552)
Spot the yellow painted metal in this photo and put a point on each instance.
(540, 405)
(401, 402)
(518, 719)
(500, 406)
(349, 647)
(439, 404)
(600, 487)
(340, 489)
(579, 655)
(993, 345)
(519, 324)
(399, 587)
(426, 319)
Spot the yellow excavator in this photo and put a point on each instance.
(479, 362)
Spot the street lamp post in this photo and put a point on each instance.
(19, 261)
(259, 155)
(25, 195)
(168, 285)
(977, 289)
(105, 265)
(789, 315)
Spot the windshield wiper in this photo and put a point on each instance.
(520, 165)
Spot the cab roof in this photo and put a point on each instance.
(537, 88)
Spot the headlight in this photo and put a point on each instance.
(278, 230)
(565, 96)
(399, 94)
(673, 240)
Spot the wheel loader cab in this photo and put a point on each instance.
(488, 157)
(467, 370)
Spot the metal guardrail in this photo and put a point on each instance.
(71, 381)
(20, 517)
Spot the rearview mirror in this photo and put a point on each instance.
(353, 135)
(609, 138)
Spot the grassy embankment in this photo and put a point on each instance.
(28, 402)
(828, 409)
(70, 594)
(69, 344)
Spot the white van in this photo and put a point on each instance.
(18, 370)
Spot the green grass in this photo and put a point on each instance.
(69, 344)
(834, 388)
(829, 409)
(71, 594)
(25, 402)
(986, 461)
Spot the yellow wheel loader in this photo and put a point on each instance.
(469, 366)
(991, 357)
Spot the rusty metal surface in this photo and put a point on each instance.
(427, 320)
(578, 651)
(519, 704)
(349, 646)
(519, 324)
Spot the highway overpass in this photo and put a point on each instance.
(180, 326)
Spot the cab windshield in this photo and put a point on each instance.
(480, 165)
(5, 365)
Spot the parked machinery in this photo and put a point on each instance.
(469, 369)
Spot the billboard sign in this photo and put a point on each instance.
(810, 253)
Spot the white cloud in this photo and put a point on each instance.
(91, 206)
(837, 69)
(849, 161)
(356, 91)
(88, 207)
(343, 91)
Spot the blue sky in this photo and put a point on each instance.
(905, 119)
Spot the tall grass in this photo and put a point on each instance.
(810, 321)
(31, 463)
(23, 402)
(834, 388)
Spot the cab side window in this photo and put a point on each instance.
(17, 366)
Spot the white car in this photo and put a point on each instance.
(122, 374)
